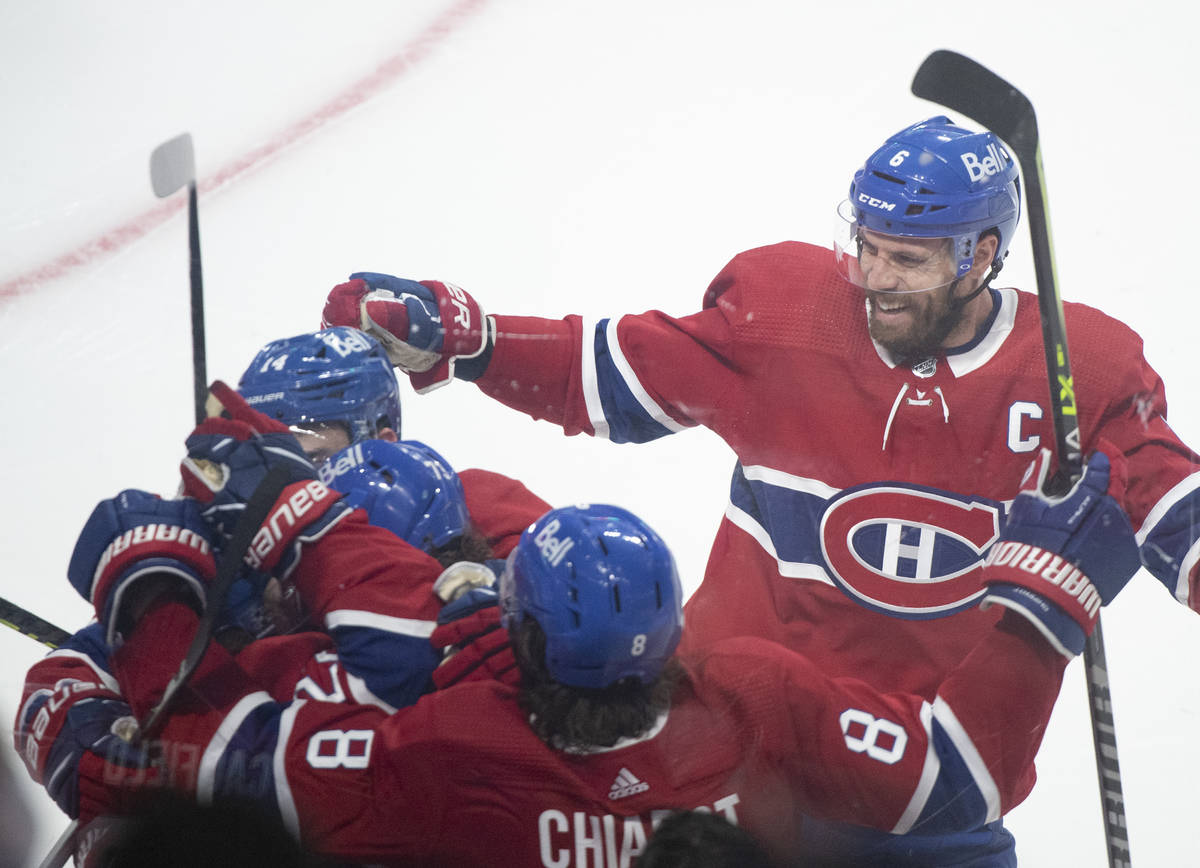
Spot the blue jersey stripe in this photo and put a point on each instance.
(630, 415)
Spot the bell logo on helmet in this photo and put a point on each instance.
(345, 341)
(877, 203)
(553, 549)
(992, 164)
(344, 462)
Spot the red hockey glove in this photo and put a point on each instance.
(475, 644)
(425, 327)
(1059, 559)
(76, 742)
(229, 455)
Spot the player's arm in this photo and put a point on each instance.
(367, 588)
(627, 379)
(1123, 404)
(500, 508)
(899, 763)
(372, 592)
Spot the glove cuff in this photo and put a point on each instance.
(303, 513)
(1062, 631)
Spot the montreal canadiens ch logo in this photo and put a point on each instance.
(906, 550)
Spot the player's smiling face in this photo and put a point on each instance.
(909, 284)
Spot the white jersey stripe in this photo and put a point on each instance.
(771, 476)
(387, 623)
(1181, 490)
(970, 755)
(657, 413)
(1183, 586)
(929, 775)
(791, 569)
(590, 382)
(206, 776)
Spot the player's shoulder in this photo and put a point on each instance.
(1087, 326)
(730, 662)
(788, 295)
(775, 268)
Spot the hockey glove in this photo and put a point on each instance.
(1059, 559)
(76, 741)
(229, 455)
(425, 327)
(132, 538)
(475, 645)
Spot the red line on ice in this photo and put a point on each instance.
(359, 92)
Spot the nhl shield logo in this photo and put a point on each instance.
(907, 550)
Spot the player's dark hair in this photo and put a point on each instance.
(471, 546)
(568, 717)
(699, 839)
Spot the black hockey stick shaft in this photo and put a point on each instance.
(29, 624)
(965, 86)
(172, 167)
(228, 566)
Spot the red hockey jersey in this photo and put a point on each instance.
(866, 494)
(754, 732)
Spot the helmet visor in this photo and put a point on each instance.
(890, 263)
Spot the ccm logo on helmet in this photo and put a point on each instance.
(876, 203)
(991, 164)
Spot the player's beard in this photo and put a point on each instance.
(920, 329)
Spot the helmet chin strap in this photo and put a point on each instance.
(958, 303)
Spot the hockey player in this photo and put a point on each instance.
(338, 389)
(609, 730)
(862, 552)
(336, 392)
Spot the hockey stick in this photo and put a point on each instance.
(230, 562)
(29, 624)
(965, 86)
(172, 166)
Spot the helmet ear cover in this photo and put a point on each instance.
(939, 180)
(336, 375)
(605, 591)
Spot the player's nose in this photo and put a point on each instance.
(882, 277)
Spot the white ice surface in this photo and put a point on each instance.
(553, 157)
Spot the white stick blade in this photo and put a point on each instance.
(172, 165)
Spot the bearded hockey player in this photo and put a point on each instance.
(861, 552)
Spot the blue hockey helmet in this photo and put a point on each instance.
(936, 180)
(604, 589)
(404, 487)
(335, 375)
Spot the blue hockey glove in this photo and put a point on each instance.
(229, 455)
(425, 327)
(133, 537)
(1059, 559)
(75, 733)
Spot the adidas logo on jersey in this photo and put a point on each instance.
(627, 784)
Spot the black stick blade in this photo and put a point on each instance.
(962, 85)
(173, 165)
